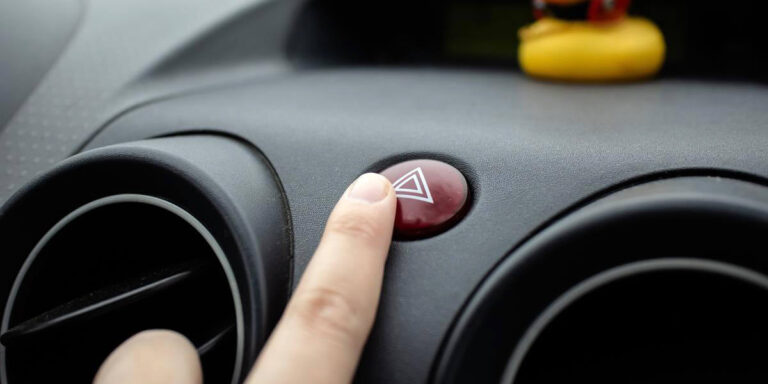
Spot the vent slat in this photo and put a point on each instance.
(214, 341)
(111, 273)
(102, 301)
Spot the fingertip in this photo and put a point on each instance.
(369, 188)
(154, 356)
(364, 215)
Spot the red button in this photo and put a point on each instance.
(431, 196)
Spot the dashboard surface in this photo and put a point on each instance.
(532, 151)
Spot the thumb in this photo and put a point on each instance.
(152, 357)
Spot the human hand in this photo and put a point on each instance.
(322, 332)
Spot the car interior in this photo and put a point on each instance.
(171, 164)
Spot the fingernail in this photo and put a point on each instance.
(369, 188)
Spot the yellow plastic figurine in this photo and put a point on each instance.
(590, 40)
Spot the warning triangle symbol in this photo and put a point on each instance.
(410, 184)
(413, 185)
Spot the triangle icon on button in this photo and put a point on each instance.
(413, 185)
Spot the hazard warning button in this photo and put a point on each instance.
(431, 196)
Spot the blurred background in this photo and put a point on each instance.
(704, 39)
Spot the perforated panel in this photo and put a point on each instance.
(106, 69)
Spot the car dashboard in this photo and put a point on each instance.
(177, 160)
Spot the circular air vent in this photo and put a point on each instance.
(112, 268)
(655, 321)
(661, 282)
(187, 233)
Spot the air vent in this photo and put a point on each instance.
(656, 321)
(661, 282)
(189, 233)
(109, 269)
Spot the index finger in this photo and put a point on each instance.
(327, 321)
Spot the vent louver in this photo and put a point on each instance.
(189, 233)
(108, 270)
